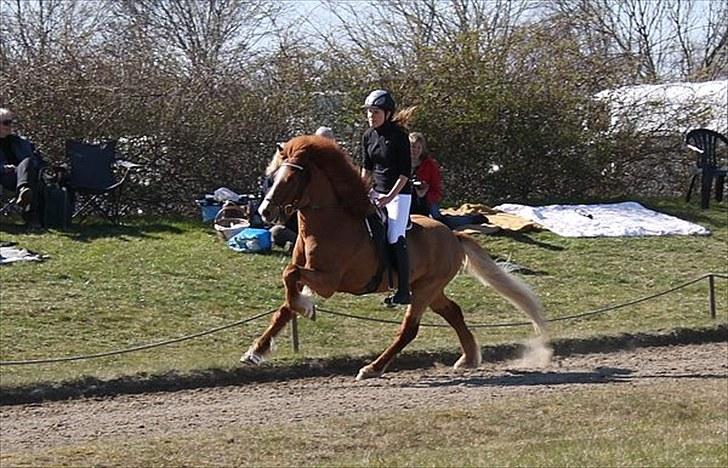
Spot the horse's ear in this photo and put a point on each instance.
(279, 146)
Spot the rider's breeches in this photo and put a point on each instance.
(398, 211)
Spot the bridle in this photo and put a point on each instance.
(291, 207)
(294, 205)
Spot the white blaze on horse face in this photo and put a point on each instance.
(271, 192)
(261, 209)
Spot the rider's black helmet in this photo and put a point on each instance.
(381, 99)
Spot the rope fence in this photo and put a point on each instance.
(294, 334)
(558, 319)
(136, 348)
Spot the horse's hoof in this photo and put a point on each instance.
(305, 303)
(463, 363)
(252, 358)
(310, 312)
(368, 372)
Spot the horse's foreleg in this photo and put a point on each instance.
(407, 332)
(295, 277)
(453, 315)
(262, 346)
(323, 283)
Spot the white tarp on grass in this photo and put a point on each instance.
(606, 220)
(9, 254)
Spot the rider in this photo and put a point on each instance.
(386, 156)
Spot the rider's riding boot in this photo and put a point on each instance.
(402, 296)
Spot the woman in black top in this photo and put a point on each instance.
(386, 158)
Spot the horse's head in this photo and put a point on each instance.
(312, 171)
(291, 174)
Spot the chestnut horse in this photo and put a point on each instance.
(334, 253)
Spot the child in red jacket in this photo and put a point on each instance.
(427, 178)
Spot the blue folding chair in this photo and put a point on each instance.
(96, 179)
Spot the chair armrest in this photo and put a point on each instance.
(128, 165)
(126, 168)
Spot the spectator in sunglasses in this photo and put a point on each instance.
(19, 165)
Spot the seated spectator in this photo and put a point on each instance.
(19, 166)
(284, 235)
(426, 177)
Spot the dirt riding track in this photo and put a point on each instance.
(24, 428)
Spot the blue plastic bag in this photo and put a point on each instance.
(251, 240)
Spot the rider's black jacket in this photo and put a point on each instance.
(386, 152)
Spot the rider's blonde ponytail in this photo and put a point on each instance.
(404, 117)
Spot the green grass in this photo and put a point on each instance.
(665, 423)
(105, 288)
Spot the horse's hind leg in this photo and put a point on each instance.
(262, 346)
(407, 332)
(452, 313)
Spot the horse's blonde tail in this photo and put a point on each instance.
(478, 263)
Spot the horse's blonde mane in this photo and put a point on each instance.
(274, 164)
(336, 165)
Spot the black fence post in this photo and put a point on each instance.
(294, 333)
(711, 295)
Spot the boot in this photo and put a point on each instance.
(402, 296)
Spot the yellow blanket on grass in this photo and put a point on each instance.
(497, 220)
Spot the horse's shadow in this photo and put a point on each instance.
(517, 378)
(89, 233)
(520, 237)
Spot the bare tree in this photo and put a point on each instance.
(397, 33)
(39, 30)
(209, 35)
(714, 62)
(663, 39)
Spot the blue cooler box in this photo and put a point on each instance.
(208, 210)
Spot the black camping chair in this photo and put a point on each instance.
(706, 143)
(95, 179)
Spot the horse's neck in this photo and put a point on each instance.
(324, 196)
(328, 217)
(325, 220)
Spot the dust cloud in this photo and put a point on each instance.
(536, 353)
